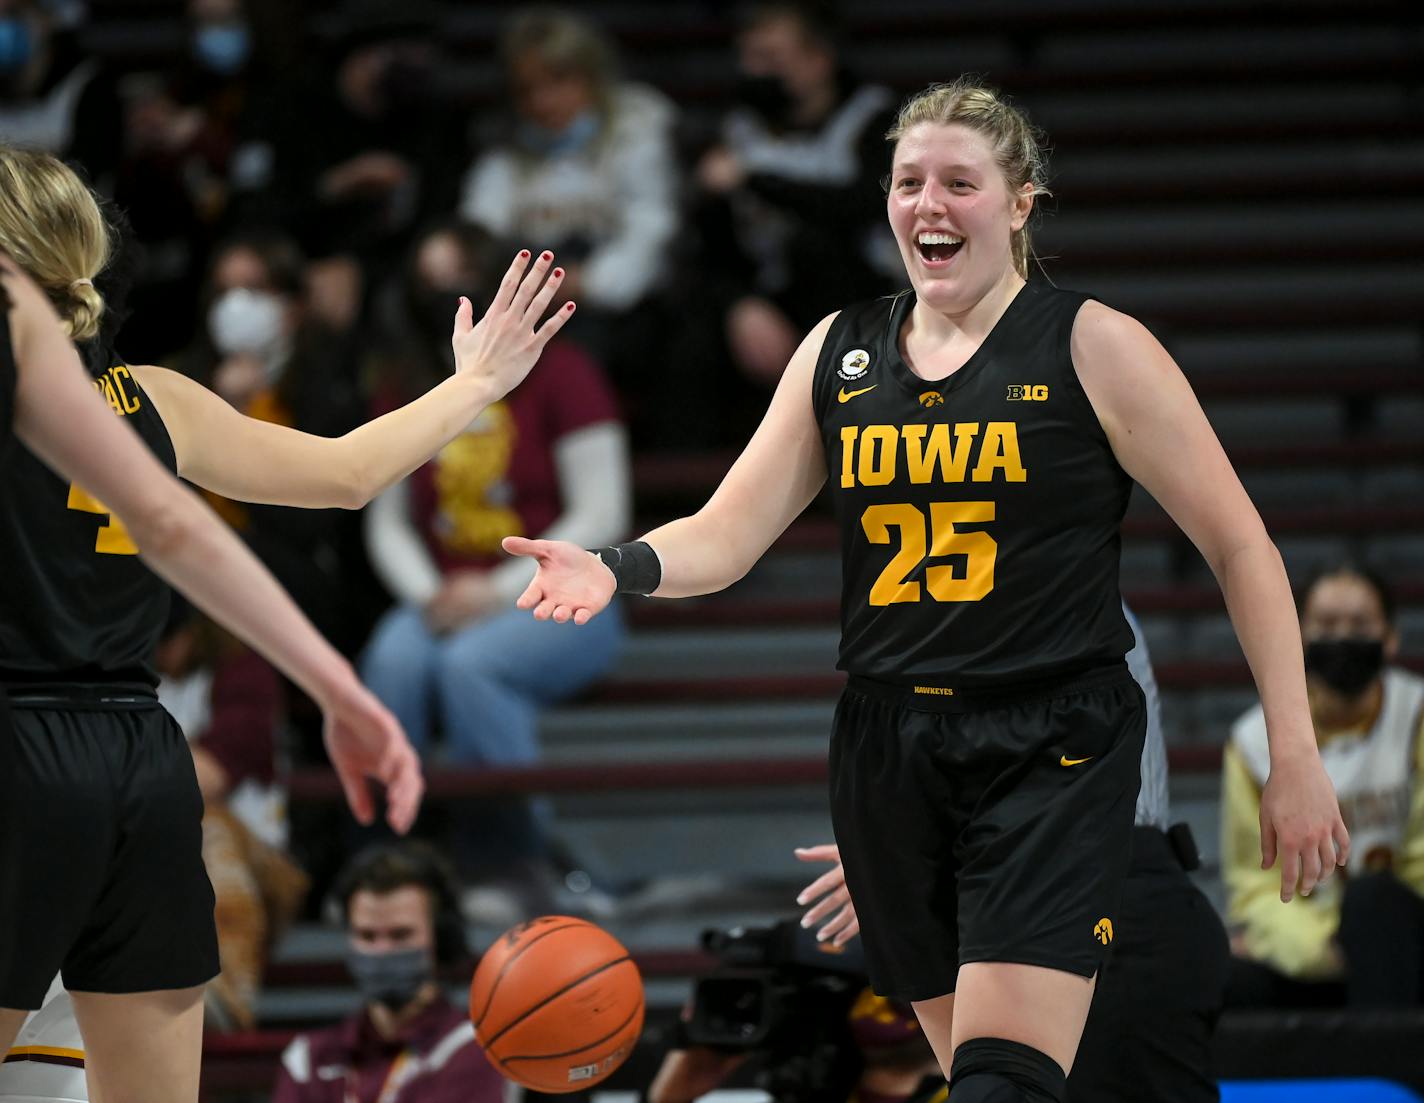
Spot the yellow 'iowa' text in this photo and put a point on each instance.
(872, 455)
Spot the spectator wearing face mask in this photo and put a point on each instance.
(188, 150)
(586, 167)
(262, 350)
(407, 1043)
(367, 157)
(54, 98)
(790, 193)
(1357, 938)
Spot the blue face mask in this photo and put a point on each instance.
(223, 47)
(582, 130)
(17, 45)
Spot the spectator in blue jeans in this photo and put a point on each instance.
(454, 656)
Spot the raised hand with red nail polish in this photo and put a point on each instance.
(503, 345)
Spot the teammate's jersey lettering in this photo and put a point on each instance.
(869, 454)
(111, 386)
(111, 538)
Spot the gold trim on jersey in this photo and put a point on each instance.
(45, 1051)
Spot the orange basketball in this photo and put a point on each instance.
(557, 1004)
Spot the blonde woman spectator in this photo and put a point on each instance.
(587, 169)
(1359, 938)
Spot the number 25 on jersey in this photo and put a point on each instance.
(979, 549)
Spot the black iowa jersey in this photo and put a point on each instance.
(978, 514)
(76, 603)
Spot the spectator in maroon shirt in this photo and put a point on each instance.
(454, 656)
(408, 1043)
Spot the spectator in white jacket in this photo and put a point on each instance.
(586, 168)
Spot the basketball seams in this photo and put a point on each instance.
(552, 996)
(509, 962)
(585, 966)
(636, 1013)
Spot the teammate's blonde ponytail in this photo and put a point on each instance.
(1018, 148)
(51, 226)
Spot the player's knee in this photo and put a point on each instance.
(994, 1070)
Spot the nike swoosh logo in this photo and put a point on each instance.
(846, 396)
(1064, 760)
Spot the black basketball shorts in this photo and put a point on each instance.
(102, 863)
(988, 826)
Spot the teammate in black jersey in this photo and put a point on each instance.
(58, 415)
(980, 433)
(106, 882)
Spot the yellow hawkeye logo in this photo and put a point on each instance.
(1103, 931)
(1064, 760)
(846, 396)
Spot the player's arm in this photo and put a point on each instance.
(255, 461)
(1297, 940)
(772, 481)
(1162, 439)
(62, 419)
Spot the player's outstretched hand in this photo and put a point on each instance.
(571, 584)
(828, 896)
(1300, 821)
(504, 344)
(366, 743)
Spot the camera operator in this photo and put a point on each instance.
(407, 1043)
(897, 1064)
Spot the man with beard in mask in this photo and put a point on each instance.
(408, 1043)
(1358, 939)
(792, 188)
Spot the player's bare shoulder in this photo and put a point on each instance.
(1102, 335)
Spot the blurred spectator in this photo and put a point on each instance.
(792, 219)
(228, 702)
(888, 1060)
(1358, 937)
(187, 148)
(408, 1043)
(586, 168)
(52, 98)
(364, 158)
(262, 350)
(550, 460)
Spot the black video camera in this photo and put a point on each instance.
(782, 995)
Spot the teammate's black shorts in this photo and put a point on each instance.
(104, 865)
(986, 826)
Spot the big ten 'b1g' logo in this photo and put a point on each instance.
(1028, 392)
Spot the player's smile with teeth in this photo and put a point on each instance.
(938, 246)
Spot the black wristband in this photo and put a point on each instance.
(636, 567)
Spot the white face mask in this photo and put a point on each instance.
(247, 321)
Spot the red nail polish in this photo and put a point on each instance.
(547, 256)
(570, 308)
(559, 272)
